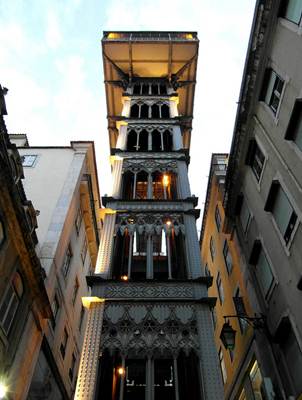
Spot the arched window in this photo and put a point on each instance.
(145, 88)
(142, 185)
(167, 139)
(156, 141)
(137, 88)
(10, 302)
(143, 140)
(145, 111)
(154, 88)
(160, 258)
(158, 191)
(132, 140)
(127, 185)
(162, 89)
(165, 113)
(134, 113)
(121, 255)
(155, 111)
(178, 260)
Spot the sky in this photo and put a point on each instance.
(51, 62)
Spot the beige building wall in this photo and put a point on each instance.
(62, 184)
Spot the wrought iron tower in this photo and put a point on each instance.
(149, 333)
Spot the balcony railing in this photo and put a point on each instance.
(150, 36)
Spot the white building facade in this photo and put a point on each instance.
(62, 183)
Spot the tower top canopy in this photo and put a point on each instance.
(144, 54)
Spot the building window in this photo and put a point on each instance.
(72, 367)
(227, 257)
(244, 216)
(240, 310)
(272, 89)
(75, 290)
(292, 354)
(82, 314)
(263, 269)
(84, 250)
(217, 218)
(64, 342)
(78, 221)
(67, 261)
(256, 159)
(252, 384)
(294, 129)
(214, 317)
(55, 307)
(2, 233)
(212, 248)
(10, 302)
(292, 10)
(222, 366)
(284, 215)
(220, 288)
(28, 160)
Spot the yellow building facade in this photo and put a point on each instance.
(222, 260)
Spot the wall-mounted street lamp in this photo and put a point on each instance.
(3, 390)
(228, 334)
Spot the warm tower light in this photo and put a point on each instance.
(124, 277)
(3, 390)
(121, 371)
(168, 223)
(166, 180)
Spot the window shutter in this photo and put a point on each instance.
(282, 8)
(255, 252)
(291, 128)
(265, 83)
(250, 152)
(239, 305)
(238, 204)
(272, 196)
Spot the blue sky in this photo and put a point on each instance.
(51, 63)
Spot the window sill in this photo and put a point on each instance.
(292, 26)
(274, 116)
(295, 148)
(286, 246)
(270, 292)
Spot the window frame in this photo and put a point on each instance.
(220, 289)
(283, 11)
(223, 369)
(253, 159)
(55, 310)
(295, 122)
(84, 250)
(9, 300)
(226, 253)
(67, 261)
(289, 232)
(72, 366)
(63, 345)
(243, 324)
(212, 248)
(257, 250)
(30, 156)
(78, 220)
(75, 292)
(244, 205)
(269, 90)
(217, 218)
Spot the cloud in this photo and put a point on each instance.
(53, 34)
